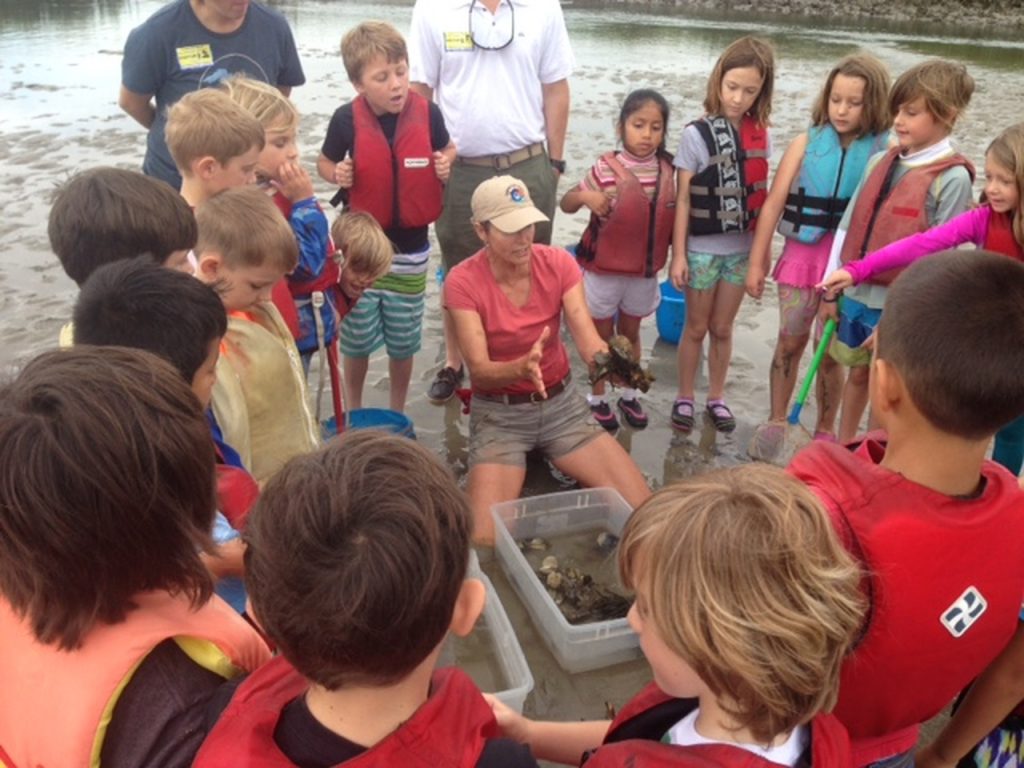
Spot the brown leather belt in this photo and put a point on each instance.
(526, 397)
(503, 161)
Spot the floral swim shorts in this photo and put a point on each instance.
(706, 269)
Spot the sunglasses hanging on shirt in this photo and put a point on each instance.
(492, 37)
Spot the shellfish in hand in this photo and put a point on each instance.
(618, 365)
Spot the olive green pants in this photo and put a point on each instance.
(454, 229)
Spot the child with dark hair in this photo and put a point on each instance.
(936, 525)
(631, 195)
(134, 304)
(357, 565)
(104, 215)
(178, 318)
(112, 642)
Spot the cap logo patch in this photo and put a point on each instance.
(516, 194)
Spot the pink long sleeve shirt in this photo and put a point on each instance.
(969, 227)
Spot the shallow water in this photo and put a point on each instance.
(59, 76)
(579, 551)
(475, 654)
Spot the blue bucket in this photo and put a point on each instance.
(671, 315)
(373, 418)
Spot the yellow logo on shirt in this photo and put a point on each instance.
(193, 56)
(458, 41)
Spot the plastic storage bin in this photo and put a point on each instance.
(580, 647)
(671, 314)
(491, 654)
(506, 648)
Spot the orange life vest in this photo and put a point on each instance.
(58, 703)
(886, 212)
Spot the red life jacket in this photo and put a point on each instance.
(886, 212)
(329, 277)
(944, 583)
(634, 740)
(448, 731)
(57, 704)
(409, 196)
(610, 246)
(237, 491)
(727, 195)
(286, 291)
(1000, 237)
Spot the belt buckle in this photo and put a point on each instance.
(536, 397)
(503, 162)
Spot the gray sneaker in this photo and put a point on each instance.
(444, 384)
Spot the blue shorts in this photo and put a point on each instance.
(857, 322)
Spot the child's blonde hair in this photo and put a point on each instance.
(207, 123)
(945, 87)
(746, 581)
(361, 244)
(1007, 149)
(361, 44)
(745, 52)
(874, 117)
(244, 226)
(273, 109)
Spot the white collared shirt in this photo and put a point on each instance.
(491, 100)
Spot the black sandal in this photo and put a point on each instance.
(721, 416)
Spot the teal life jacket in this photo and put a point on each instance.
(828, 177)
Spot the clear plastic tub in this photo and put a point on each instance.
(491, 655)
(580, 647)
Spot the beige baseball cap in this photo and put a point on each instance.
(505, 202)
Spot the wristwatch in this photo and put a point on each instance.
(558, 165)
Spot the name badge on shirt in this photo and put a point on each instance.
(458, 41)
(194, 56)
(417, 162)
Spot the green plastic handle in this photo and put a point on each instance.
(805, 388)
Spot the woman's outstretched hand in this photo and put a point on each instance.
(531, 361)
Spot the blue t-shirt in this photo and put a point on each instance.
(172, 53)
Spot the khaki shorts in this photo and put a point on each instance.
(503, 434)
